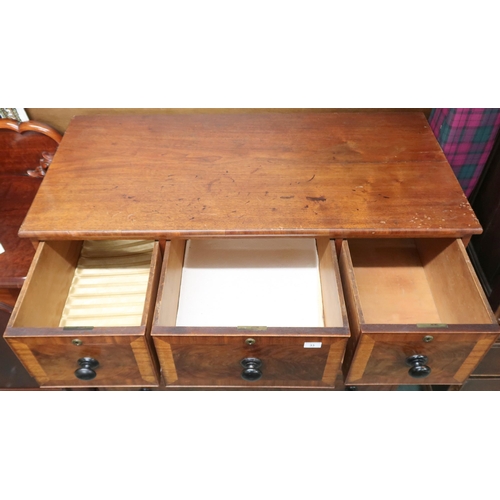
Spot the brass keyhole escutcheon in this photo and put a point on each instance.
(250, 341)
(428, 338)
(76, 342)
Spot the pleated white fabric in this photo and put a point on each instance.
(110, 283)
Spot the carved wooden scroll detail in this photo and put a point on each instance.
(41, 128)
(31, 126)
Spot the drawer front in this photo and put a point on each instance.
(54, 361)
(490, 365)
(226, 361)
(390, 358)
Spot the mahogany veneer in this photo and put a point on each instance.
(351, 176)
(329, 174)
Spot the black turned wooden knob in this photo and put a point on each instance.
(86, 372)
(251, 370)
(418, 366)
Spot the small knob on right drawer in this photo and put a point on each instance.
(418, 366)
(86, 370)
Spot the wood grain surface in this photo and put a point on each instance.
(124, 360)
(60, 118)
(303, 174)
(214, 360)
(380, 359)
(125, 354)
(391, 323)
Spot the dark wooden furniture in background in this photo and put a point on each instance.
(484, 250)
(337, 176)
(13, 375)
(26, 150)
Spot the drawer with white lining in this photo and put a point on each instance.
(250, 312)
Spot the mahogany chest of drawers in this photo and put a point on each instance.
(284, 250)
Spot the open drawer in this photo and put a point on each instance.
(417, 312)
(250, 312)
(84, 314)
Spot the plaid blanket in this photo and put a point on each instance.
(466, 137)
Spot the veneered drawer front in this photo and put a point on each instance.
(490, 365)
(53, 361)
(416, 310)
(222, 360)
(387, 358)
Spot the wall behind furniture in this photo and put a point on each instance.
(59, 118)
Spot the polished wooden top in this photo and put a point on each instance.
(304, 174)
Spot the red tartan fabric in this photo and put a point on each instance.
(466, 136)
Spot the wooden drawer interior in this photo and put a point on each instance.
(91, 283)
(267, 282)
(416, 309)
(407, 281)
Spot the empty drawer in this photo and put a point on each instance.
(417, 312)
